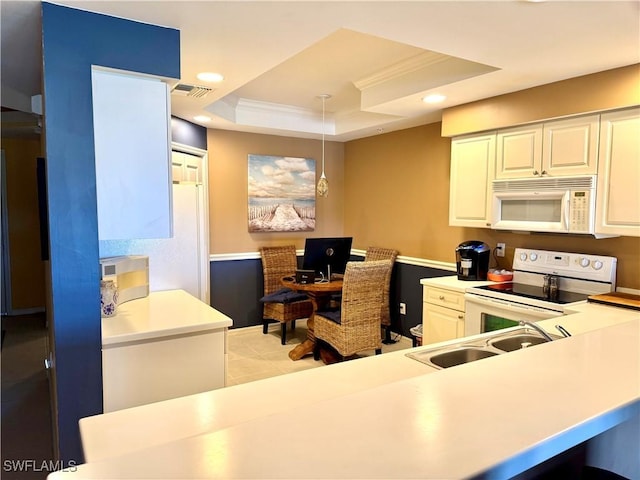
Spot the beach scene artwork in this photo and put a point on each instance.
(282, 194)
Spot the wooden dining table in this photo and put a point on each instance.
(319, 293)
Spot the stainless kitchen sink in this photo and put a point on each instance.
(469, 351)
(517, 342)
(460, 356)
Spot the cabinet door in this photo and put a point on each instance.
(519, 152)
(131, 117)
(570, 147)
(618, 191)
(472, 166)
(440, 324)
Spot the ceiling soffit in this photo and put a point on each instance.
(367, 90)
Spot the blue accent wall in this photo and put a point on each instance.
(188, 133)
(237, 286)
(73, 40)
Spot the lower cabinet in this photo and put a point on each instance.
(166, 345)
(442, 315)
(148, 371)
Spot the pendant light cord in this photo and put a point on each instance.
(323, 100)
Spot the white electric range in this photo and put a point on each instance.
(503, 305)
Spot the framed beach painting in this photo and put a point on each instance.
(282, 194)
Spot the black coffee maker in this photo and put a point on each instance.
(472, 260)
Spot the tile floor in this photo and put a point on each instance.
(254, 355)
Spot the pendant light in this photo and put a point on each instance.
(323, 183)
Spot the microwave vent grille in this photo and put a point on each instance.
(545, 183)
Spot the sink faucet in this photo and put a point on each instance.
(537, 329)
(563, 330)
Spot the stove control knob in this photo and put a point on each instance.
(523, 257)
(533, 256)
(584, 262)
(597, 265)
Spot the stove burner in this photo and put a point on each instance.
(535, 292)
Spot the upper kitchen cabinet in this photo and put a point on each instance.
(519, 152)
(472, 166)
(131, 115)
(570, 147)
(618, 202)
(555, 148)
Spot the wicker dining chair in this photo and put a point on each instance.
(281, 304)
(379, 253)
(355, 326)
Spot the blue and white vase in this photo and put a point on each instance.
(108, 298)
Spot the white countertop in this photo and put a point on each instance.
(586, 317)
(344, 421)
(451, 282)
(171, 312)
(123, 431)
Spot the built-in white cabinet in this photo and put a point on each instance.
(186, 168)
(618, 200)
(519, 152)
(472, 167)
(570, 147)
(166, 345)
(442, 314)
(554, 148)
(131, 117)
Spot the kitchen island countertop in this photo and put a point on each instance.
(533, 404)
(160, 314)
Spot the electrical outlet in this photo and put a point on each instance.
(403, 309)
(500, 248)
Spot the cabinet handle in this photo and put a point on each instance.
(544, 172)
(535, 172)
(460, 317)
(441, 297)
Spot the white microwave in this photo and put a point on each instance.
(547, 204)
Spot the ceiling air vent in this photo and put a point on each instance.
(186, 90)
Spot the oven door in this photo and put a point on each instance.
(484, 314)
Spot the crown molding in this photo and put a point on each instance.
(400, 69)
(245, 111)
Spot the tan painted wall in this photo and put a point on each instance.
(228, 169)
(396, 184)
(397, 196)
(27, 268)
(606, 90)
(392, 190)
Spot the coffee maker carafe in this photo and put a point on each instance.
(472, 260)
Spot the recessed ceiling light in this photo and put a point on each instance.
(210, 77)
(434, 98)
(201, 118)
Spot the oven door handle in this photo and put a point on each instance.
(512, 307)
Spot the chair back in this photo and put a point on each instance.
(379, 253)
(363, 293)
(277, 262)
